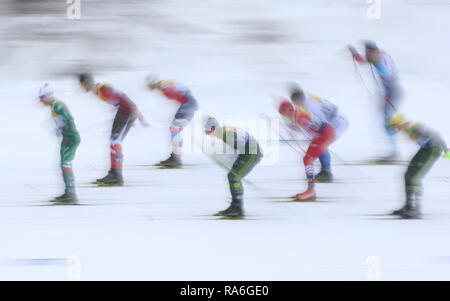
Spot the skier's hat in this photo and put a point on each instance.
(45, 91)
(85, 78)
(397, 119)
(296, 91)
(286, 109)
(211, 124)
(152, 79)
(370, 45)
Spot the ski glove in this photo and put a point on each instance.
(447, 154)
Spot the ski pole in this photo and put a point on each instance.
(296, 142)
(287, 141)
(380, 87)
(361, 78)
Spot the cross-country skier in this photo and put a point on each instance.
(249, 154)
(390, 91)
(431, 146)
(188, 106)
(320, 121)
(127, 113)
(70, 141)
(286, 109)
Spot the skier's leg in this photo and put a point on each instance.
(325, 160)
(389, 109)
(241, 167)
(121, 127)
(418, 167)
(340, 125)
(317, 146)
(67, 153)
(411, 179)
(180, 121)
(115, 143)
(182, 117)
(325, 175)
(390, 132)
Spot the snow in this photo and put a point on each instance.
(157, 227)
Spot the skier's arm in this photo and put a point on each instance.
(61, 110)
(356, 56)
(138, 113)
(447, 154)
(446, 149)
(142, 119)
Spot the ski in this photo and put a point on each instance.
(52, 203)
(245, 217)
(374, 162)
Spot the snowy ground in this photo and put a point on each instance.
(234, 56)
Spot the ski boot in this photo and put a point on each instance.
(324, 176)
(412, 212)
(231, 212)
(308, 195)
(402, 210)
(66, 199)
(113, 178)
(174, 161)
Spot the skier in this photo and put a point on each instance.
(390, 90)
(249, 154)
(431, 146)
(286, 109)
(188, 106)
(125, 117)
(320, 121)
(70, 141)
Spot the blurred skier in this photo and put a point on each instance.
(320, 121)
(286, 109)
(188, 106)
(249, 154)
(70, 141)
(127, 113)
(390, 91)
(431, 146)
